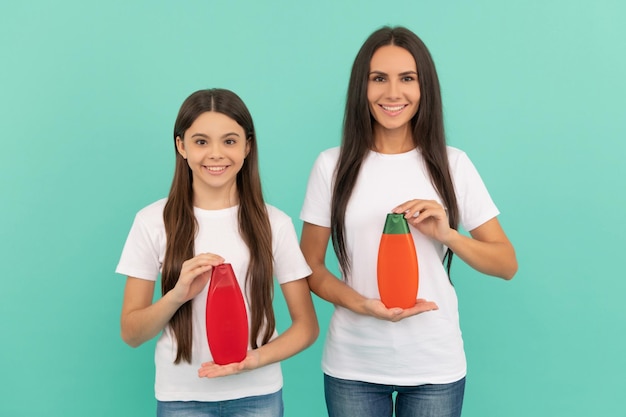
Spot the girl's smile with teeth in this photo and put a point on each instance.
(215, 168)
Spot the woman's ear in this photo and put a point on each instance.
(248, 146)
(180, 146)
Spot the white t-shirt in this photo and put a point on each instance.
(218, 233)
(422, 349)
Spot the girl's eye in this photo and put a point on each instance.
(200, 142)
(378, 79)
(408, 78)
(230, 141)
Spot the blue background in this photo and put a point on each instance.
(533, 91)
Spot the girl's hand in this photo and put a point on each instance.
(427, 216)
(377, 309)
(213, 370)
(194, 276)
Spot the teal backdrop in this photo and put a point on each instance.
(534, 92)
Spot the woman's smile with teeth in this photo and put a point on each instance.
(393, 108)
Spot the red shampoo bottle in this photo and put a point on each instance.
(226, 317)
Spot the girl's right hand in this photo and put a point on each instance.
(377, 309)
(194, 276)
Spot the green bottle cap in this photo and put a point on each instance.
(396, 224)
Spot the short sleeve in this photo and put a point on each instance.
(317, 201)
(289, 262)
(141, 256)
(475, 204)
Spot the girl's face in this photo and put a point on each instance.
(393, 91)
(215, 147)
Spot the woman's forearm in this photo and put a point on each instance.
(488, 250)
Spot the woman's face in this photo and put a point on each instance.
(393, 90)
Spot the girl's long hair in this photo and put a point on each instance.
(358, 138)
(254, 225)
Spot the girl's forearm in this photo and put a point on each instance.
(142, 324)
(304, 328)
(295, 339)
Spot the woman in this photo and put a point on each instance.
(393, 158)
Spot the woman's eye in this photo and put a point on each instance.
(230, 141)
(408, 79)
(378, 79)
(201, 142)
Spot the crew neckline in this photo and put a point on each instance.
(215, 213)
(393, 155)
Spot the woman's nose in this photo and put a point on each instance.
(393, 90)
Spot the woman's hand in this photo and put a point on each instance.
(314, 243)
(377, 309)
(194, 276)
(488, 250)
(427, 216)
(213, 370)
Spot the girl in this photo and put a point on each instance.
(394, 157)
(215, 213)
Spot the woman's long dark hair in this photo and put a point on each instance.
(358, 138)
(254, 225)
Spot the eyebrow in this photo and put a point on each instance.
(202, 135)
(411, 72)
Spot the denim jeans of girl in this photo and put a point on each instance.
(270, 405)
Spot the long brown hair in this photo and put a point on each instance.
(358, 138)
(254, 226)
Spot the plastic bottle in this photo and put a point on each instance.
(398, 272)
(226, 317)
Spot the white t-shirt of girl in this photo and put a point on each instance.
(218, 233)
(423, 349)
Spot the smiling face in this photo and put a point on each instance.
(215, 147)
(393, 90)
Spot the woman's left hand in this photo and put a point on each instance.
(427, 216)
(488, 250)
(213, 370)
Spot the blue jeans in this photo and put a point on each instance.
(270, 405)
(345, 398)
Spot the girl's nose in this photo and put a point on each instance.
(215, 152)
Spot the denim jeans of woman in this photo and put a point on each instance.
(270, 405)
(345, 398)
